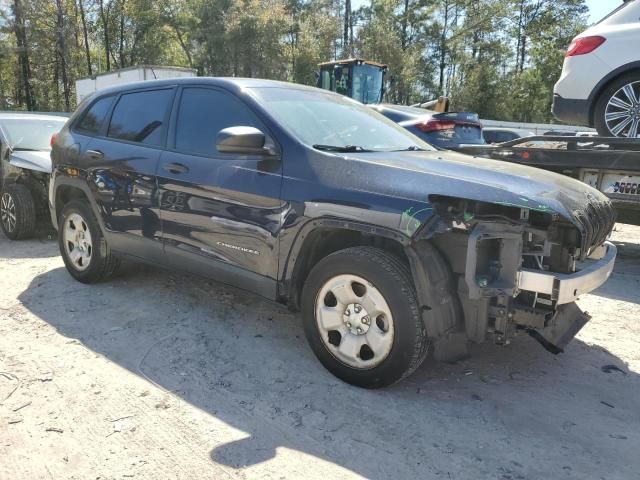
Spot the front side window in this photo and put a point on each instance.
(93, 119)
(326, 121)
(203, 113)
(139, 117)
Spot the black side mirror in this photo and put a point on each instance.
(243, 140)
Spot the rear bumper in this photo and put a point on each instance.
(571, 111)
(566, 288)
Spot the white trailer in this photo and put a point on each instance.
(87, 85)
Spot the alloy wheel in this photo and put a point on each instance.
(354, 321)
(77, 241)
(622, 113)
(8, 212)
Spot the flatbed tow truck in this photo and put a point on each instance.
(609, 164)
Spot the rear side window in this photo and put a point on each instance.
(203, 113)
(93, 119)
(140, 116)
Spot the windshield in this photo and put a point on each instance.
(327, 120)
(31, 134)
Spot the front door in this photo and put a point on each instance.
(219, 211)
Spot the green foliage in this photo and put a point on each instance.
(499, 58)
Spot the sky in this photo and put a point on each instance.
(599, 8)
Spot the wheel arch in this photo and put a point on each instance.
(321, 237)
(606, 82)
(66, 191)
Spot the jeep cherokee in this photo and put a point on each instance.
(387, 246)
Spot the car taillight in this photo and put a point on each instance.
(584, 45)
(53, 139)
(435, 125)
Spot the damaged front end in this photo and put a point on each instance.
(520, 269)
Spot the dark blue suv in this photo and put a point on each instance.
(311, 199)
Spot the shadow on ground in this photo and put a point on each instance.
(514, 412)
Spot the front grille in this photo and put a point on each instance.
(597, 220)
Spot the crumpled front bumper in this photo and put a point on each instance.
(566, 288)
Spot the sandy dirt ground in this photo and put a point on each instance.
(160, 375)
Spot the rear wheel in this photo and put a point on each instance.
(361, 317)
(17, 212)
(617, 112)
(83, 247)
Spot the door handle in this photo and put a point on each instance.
(175, 168)
(95, 154)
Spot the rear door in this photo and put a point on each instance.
(121, 166)
(219, 211)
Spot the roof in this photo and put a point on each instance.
(354, 60)
(232, 83)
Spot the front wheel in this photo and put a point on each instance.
(361, 317)
(17, 212)
(84, 249)
(617, 111)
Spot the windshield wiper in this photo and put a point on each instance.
(24, 149)
(412, 148)
(341, 149)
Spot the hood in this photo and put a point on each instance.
(39, 161)
(416, 175)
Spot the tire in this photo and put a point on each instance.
(80, 232)
(616, 90)
(17, 212)
(382, 273)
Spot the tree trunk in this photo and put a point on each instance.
(76, 31)
(519, 34)
(405, 24)
(121, 43)
(184, 45)
(26, 90)
(443, 47)
(62, 53)
(85, 35)
(105, 25)
(347, 21)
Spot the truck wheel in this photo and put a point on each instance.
(617, 111)
(83, 247)
(17, 212)
(361, 317)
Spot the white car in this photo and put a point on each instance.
(600, 82)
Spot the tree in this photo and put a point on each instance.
(85, 35)
(25, 90)
(499, 58)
